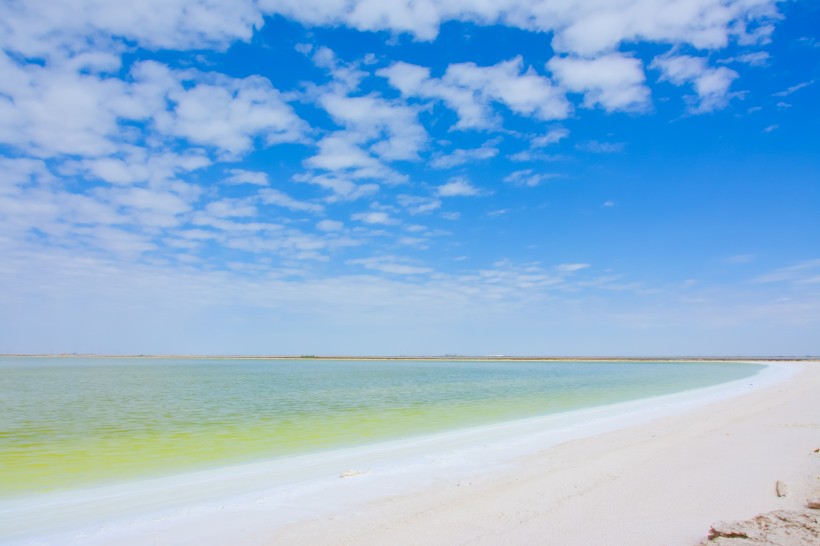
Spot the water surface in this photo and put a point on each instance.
(73, 422)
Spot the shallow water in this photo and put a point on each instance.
(73, 422)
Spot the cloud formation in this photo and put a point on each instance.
(711, 85)
(458, 187)
(613, 82)
(197, 141)
(470, 90)
(585, 27)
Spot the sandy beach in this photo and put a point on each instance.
(654, 471)
(663, 482)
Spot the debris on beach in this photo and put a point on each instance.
(780, 488)
(792, 527)
(351, 473)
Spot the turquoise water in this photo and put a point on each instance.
(72, 422)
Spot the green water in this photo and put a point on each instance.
(71, 422)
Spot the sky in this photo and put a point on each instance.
(413, 177)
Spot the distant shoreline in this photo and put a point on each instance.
(486, 358)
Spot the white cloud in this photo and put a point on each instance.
(242, 176)
(527, 177)
(418, 205)
(390, 264)
(116, 171)
(711, 84)
(21, 171)
(48, 111)
(117, 241)
(458, 187)
(757, 58)
(329, 225)
(598, 147)
(231, 208)
(39, 28)
(571, 268)
(394, 127)
(336, 152)
(376, 130)
(793, 88)
(229, 114)
(125, 220)
(470, 90)
(151, 207)
(271, 196)
(538, 143)
(373, 217)
(59, 109)
(137, 165)
(578, 26)
(457, 157)
(340, 152)
(615, 82)
(553, 136)
(801, 273)
(341, 186)
(346, 76)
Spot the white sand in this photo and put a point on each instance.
(655, 472)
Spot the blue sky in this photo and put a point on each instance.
(584, 177)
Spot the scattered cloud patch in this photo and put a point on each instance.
(793, 89)
(581, 27)
(711, 85)
(527, 177)
(458, 187)
(342, 187)
(757, 58)
(801, 273)
(280, 199)
(470, 90)
(597, 147)
(340, 152)
(571, 268)
(389, 129)
(374, 218)
(242, 176)
(457, 157)
(614, 82)
(329, 225)
(390, 264)
(538, 143)
(553, 136)
(418, 205)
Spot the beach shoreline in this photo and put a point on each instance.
(360, 491)
(664, 481)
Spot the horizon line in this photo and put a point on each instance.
(454, 357)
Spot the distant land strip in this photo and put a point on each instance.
(445, 357)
